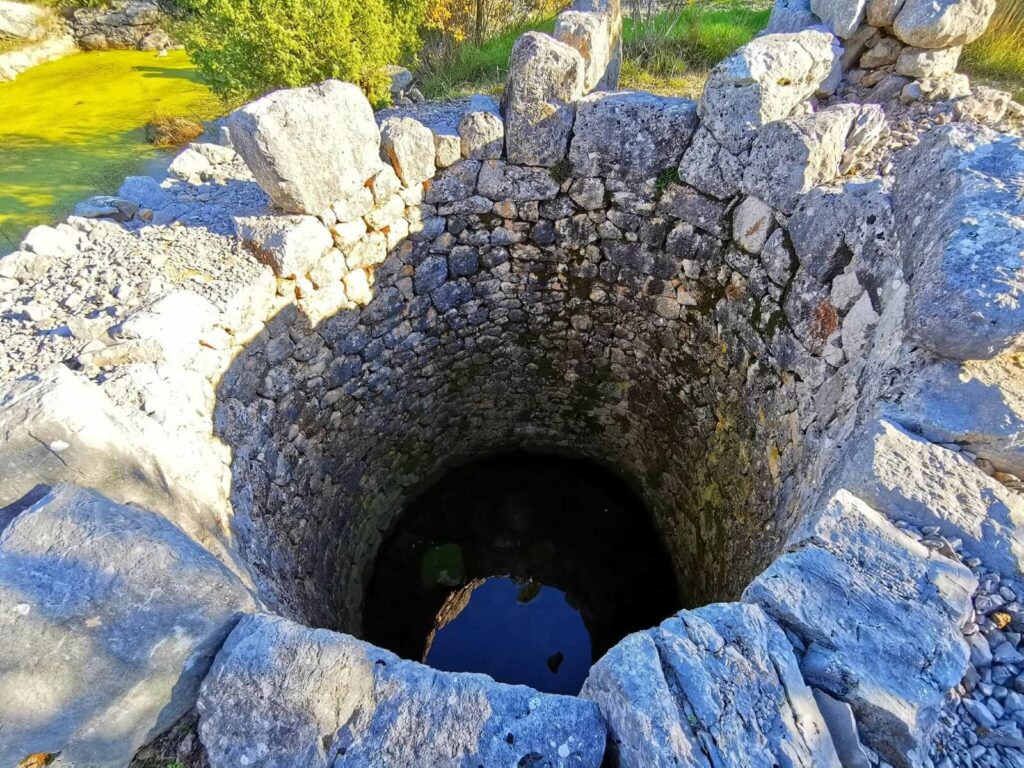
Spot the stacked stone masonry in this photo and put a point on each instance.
(790, 322)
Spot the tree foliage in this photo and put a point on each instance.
(245, 48)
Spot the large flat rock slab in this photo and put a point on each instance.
(110, 617)
(925, 484)
(715, 686)
(280, 694)
(959, 206)
(880, 616)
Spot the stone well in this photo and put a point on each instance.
(786, 319)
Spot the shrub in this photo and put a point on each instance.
(244, 48)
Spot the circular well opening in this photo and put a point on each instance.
(523, 566)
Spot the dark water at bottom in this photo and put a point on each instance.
(526, 567)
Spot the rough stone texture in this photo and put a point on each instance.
(21, 21)
(922, 63)
(880, 617)
(764, 81)
(545, 79)
(711, 168)
(942, 23)
(718, 685)
(482, 135)
(925, 484)
(791, 16)
(121, 24)
(752, 222)
(110, 617)
(843, 17)
(958, 203)
(409, 146)
(290, 245)
(612, 11)
(630, 136)
(503, 181)
(882, 13)
(978, 405)
(589, 33)
(791, 157)
(280, 694)
(308, 147)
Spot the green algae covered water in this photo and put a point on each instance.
(75, 127)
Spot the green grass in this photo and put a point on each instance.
(998, 55)
(669, 54)
(75, 127)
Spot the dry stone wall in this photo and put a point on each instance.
(761, 309)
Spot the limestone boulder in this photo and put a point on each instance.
(545, 80)
(708, 166)
(959, 207)
(630, 136)
(409, 146)
(843, 17)
(764, 81)
(111, 617)
(719, 685)
(924, 63)
(280, 694)
(791, 16)
(499, 181)
(308, 147)
(914, 480)
(942, 23)
(588, 33)
(882, 13)
(791, 157)
(290, 245)
(880, 616)
(482, 135)
(752, 222)
(978, 404)
(22, 21)
(611, 10)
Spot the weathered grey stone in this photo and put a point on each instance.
(107, 207)
(290, 245)
(280, 694)
(983, 105)
(308, 147)
(715, 686)
(842, 726)
(942, 23)
(752, 222)
(545, 80)
(922, 63)
(22, 21)
(409, 146)
(711, 168)
(882, 54)
(843, 17)
(691, 206)
(612, 11)
(791, 16)
(455, 183)
(630, 136)
(764, 81)
(922, 483)
(978, 405)
(959, 205)
(880, 615)
(110, 617)
(482, 135)
(791, 157)
(588, 32)
(882, 13)
(503, 181)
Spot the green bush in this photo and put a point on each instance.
(245, 48)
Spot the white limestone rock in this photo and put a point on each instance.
(880, 616)
(290, 245)
(791, 16)
(318, 698)
(611, 10)
(791, 157)
(942, 23)
(482, 135)
(764, 81)
(588, 33)
(914, 480)
(718, 685)
(545, 80)
(924, 63)
(752, 222)
(111, 617)
(22, 21)
(409, 146)
(843, 17)
(959, 206)
(630, 136)
(308, 147)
